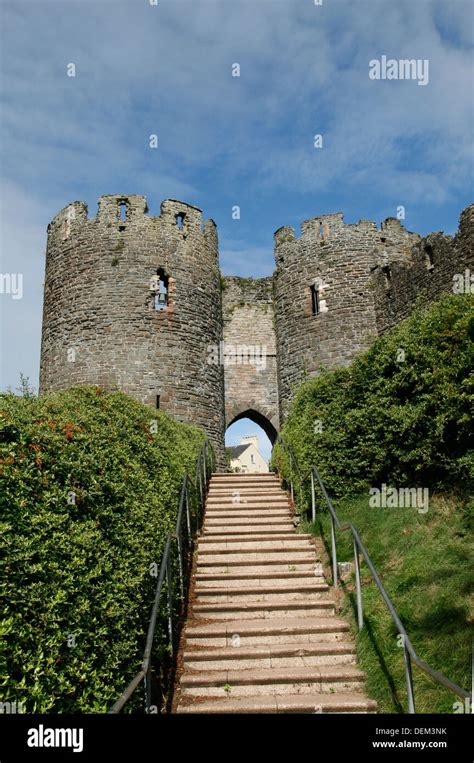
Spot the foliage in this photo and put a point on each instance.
(401, 413)
(89, 492)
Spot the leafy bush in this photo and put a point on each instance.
(89, 493)
(402, 412)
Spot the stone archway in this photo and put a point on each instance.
(258, 418)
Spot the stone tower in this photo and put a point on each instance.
(133, 302)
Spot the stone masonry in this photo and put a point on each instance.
(224, 348)
(99, 323)
(251, 384)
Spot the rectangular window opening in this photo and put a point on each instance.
(123, 211)
(158, 401)
(315, 299)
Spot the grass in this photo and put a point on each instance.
(425, 563)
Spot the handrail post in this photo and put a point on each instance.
(199, 479)
(188, 516)
(148, 689)
(334, 553)
(170, 603)
(204, 466)
(291, 478)
(360, 612)
(409, 678)
(180, 561)
(313, 499)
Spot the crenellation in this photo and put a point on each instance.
(209, 230)
(367, 225)
(117, 209)
(185, 219)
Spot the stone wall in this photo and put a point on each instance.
(424, 275)
(251, 388)
(338, 259)
(99, 322)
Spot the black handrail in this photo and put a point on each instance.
(409, 652)
(183, 537)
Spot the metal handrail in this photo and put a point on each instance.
(183, 534)
(410, 654)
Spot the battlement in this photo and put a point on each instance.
(332, 226)
(130, 211)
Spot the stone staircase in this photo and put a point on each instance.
(262, 635)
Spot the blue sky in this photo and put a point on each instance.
(245, 427)
(223, 140)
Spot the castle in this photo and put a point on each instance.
(138, 303)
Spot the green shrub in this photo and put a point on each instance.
(387, 419)
(88, 495)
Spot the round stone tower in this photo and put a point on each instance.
(133, 302)
(325, 312)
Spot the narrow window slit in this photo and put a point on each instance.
(123, 211)
(315, 299)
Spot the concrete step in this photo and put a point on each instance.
(276, 681)
(247, 515)
(267, 631)
(258, 485)
(247, 496)
(272, 517)
(248, 545)
(247, 493)
(283, 656)
(254, 558)
(248, 524)
(263, 610)
(248, 489)
(250, 484)
(255, 570)
(244, 476)
(251, 506)
(251, 592)
(283, 525)
(297, 703)
(219, 534)
(244, 531)
(248, 579)
(221, 551)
